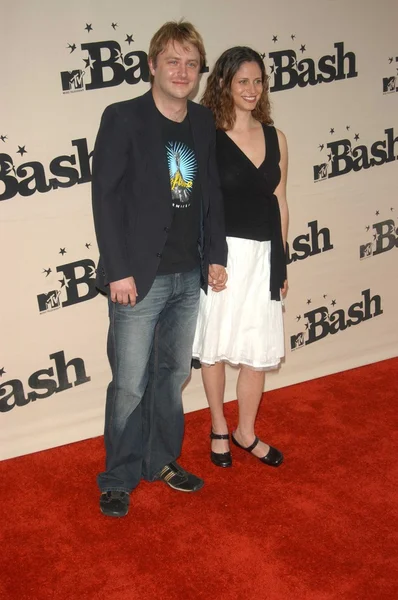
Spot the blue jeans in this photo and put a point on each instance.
(149, 350)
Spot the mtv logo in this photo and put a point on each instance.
(320, 172)
(389, 84)
(366, 250)
(50, 301)
(72, 81)
(297, 341)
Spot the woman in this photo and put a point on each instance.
(243, 325)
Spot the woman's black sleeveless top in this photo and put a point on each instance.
(250, 205)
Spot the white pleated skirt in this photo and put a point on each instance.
(242, 325)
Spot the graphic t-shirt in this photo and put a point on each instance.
(180, 253)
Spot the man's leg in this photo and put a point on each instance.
(170, 366)
(130, 342)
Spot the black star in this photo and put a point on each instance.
(88, 27)
(392, 210)
(88, 245)
(89, 62)
(306, 326)
(293, 36)
(21, 150)
(377, 213)
(72, 47)
(347, 127)
(298, 317)
(367, 227)
(3, 138)
(2, 371)
(390, 60)
(274, 38)
(325, 296)
(129, 39)
(272, 68)
(321, 147)
(114, 25)
(62, 251)
(330, 156)
(333, 303)
(309, 301)
(262, 54)
(331, 131)
(47, 271)
(375, 236)
(356, 137)
(302, 48)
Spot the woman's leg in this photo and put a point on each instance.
(250, 387)
(214, 383)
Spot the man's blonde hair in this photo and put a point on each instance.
(183, 33)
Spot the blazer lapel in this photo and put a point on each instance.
(201, 142)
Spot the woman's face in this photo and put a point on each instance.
(247, 86)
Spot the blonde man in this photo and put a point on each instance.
(159, 223)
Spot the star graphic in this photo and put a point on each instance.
(331, 131)
(302, 48)
(356, 137)
(2, 371)
(93, 271)
(390, 59)
(298, 318)
(306, 326)
(309, 301)
(293, 36)
(10, 167)
(274, 38)
(262, 54)
(89, 62)
(367, 227)
(72, 47)
(348, 127)
(333, 303)
(129, 38)
(62, 251)
(64, 282)
(391, 209)
(88, 245)
(3, 138)
(321, 147)
(272, 68)
(114, 25)
(21, 150)
(330, 157)
(47, 271)
(375, 236)
(119, 56)
(377, 213)
(88, 27)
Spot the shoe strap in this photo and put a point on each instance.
(253, 445)
(219, 436)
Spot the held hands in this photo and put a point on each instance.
(217, 278)
(124, 291)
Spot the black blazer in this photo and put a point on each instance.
(131, 193)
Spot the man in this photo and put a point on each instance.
(159, 224)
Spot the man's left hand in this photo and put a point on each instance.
(217, 278)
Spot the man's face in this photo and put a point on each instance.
(177, 70)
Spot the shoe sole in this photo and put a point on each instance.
(178, 489)
(110, 514)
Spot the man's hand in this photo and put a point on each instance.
(284, 288)
(124, 291)
(217, 278)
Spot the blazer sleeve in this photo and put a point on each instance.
(218, 245)
(110, 163)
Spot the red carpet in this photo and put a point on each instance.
(323, 526)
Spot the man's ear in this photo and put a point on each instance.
(152, 66)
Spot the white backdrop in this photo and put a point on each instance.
(334, 83)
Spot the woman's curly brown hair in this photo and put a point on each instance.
(218, 95)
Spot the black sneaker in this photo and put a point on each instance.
(179, 479)
(114, 504)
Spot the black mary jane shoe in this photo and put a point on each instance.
(273, 458)
(220, 459)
